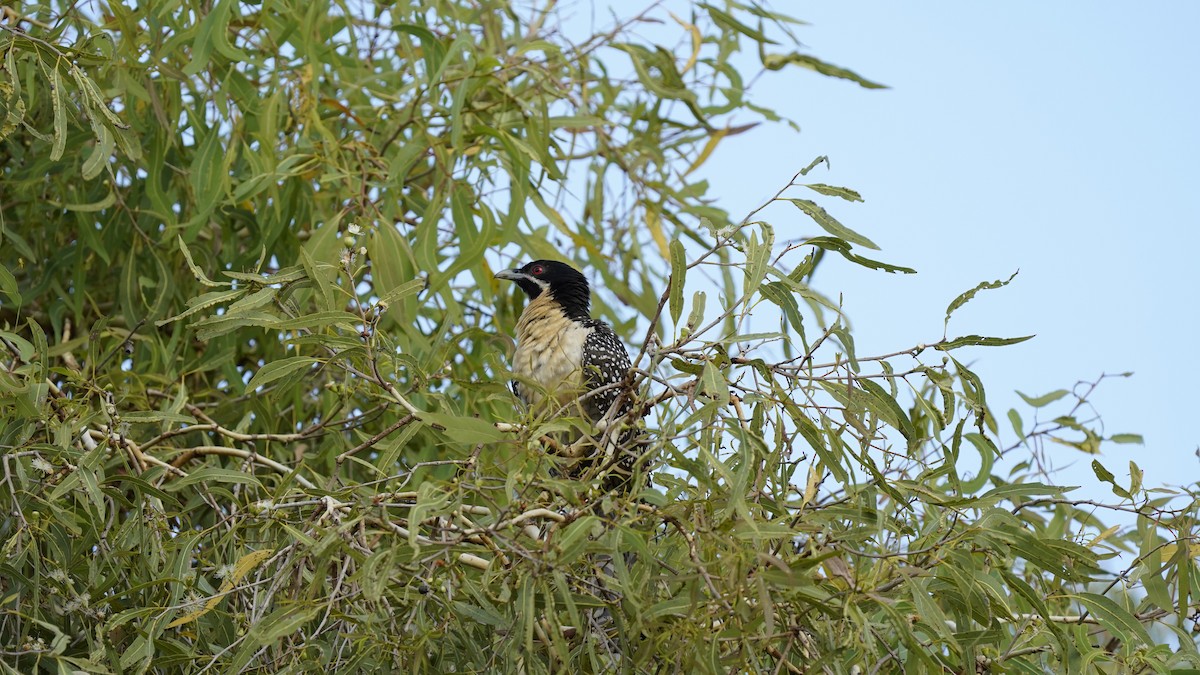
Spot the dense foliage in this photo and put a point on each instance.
(253, 403)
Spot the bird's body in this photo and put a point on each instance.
(567, 361)
(549, 355)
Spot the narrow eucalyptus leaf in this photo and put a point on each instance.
(678, 279)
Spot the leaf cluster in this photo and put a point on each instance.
(254, 413)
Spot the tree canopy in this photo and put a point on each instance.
(254, 402)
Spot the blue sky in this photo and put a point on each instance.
(1058, 139)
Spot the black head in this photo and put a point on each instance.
(564, 283)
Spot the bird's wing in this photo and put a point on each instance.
(605, 362)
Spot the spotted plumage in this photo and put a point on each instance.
(566, 360)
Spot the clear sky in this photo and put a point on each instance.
(1060, 139)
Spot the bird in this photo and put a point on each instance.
(565, 359)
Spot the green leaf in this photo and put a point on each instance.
(1106, 476)
(729, 22)
(1040, 553)
(310, 321)
(813, 164)
(656, 73)
(278, 369)
(696, 316)
(1026, 592)
(1045, 400)
(104, 202)
(1152, 580)
(712, 382)
(881, 403)
(207, 170)
(1013, 491)
(758, 256)
(578, 122)
(394, 271)
(678, 606)
(58, 97)
(155, 417)
(101, 152)
(834, 191)
(433, 51)
(1135, 478)
(401, 292)
(1115, 619)
(282, 622)
(1018, 426)
(203, 302)
(968, 295)
(469, 430)
(842, 247)
(8, 286)
(480, 615)
(1127, 438)
(678, 279)
(779, 61)
(212, 475)
(781, 295)
(212, 36)
(831, 225)
(260, 298)
(988, 452)
(573, 540)
(978, 341)
(928, 611)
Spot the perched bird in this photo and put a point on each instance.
(565, 358)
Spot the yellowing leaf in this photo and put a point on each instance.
(1103, 535)
(815, 472)
(656, 231)
(697, 40)
(1168, 551)
(240, 569)
(711, 145)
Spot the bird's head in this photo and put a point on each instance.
(557, 279)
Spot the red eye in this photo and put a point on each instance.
(538, 270)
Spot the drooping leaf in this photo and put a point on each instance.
(780, 61)
(843, 248)
(831, 225)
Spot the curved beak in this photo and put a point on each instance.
(511, 275)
